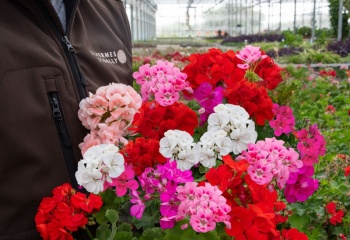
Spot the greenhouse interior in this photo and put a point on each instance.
(236, 125)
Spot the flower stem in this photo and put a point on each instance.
(89, 233)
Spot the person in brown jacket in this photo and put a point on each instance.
(51, 55)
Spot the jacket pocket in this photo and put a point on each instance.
(31, 162)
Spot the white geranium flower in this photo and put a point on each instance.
(93, 156)
(218, 121)
(223, 145)
(114, 163)
(166, 147)
(241, 138)
(186, 160)
(90, 179)
(207, 157)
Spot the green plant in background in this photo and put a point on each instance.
(291, 38)
(334, 15)
(324, 100)
(304, 31)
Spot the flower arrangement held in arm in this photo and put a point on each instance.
(197, 173)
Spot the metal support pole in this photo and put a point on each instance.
(340, 20)
(252, 20)
(240, 16)
(246, 19)
(259, 16)
(313, 23)
(236, 14)
(280, 24)
(295, 16)
(268, 19)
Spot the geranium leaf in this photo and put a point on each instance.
(126, 227)
(212, 235)
(299, 222)
(148, 220)
(152, 234)
(123, 236)
(177, 233)
(112, 216)
(103, 231)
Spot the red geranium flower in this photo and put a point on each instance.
(153, 120)
(64, 212)
(142, 153)
(337, 216)
(347, 171)
(293, 234)
(254, 99)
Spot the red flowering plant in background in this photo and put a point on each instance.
(188, 157)
(336, 217)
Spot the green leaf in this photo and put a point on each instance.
(299, 222)
(150, 216)
(126, 227)
(212, 235)
(109, 202)
(112, 216)
(152, 234)
(123, 236)
(177, 233)
(103, 231)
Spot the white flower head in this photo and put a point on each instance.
(100, 163)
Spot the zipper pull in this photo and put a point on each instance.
(68, 44)
(56, 111)
(57, 114)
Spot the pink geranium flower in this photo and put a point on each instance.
(249, 55)
(124, 182)
(139, 207)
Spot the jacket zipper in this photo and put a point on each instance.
(65, 141)
(81, 84)
(69, 51)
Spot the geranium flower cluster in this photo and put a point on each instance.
(311, 145)
(108, 114)
(255, 211)
(336, 216)
(100, 164)
(247, 90)
(163, 81)
(179, 146)
(208, 97)
(283, 121)
(142, 153)
(164, 179)
(204, 206)
(269, 159)
(250, 55)
(229, 130)
(234, 120)
(65, 212)
(300, 185)
(153, 120)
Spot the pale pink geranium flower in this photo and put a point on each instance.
(166, 95)
(203, 221)
(260, 173)
(249, 55)
(124, 182)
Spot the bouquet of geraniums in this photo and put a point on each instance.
(203, 153)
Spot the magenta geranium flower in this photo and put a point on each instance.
(208, 98)
(300, 185)
(124, 181)
(139, 206)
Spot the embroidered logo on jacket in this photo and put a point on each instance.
(110, 57)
